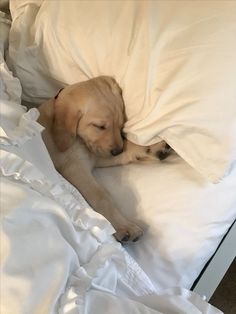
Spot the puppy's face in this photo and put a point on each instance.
(100, 129)
(93, 110)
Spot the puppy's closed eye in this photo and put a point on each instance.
(100, 127)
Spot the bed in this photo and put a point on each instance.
(186, 204)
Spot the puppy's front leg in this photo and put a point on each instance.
(136, 153)
(100, 201)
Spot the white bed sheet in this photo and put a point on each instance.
(57, 255)
(184, 216)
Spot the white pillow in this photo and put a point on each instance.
(175, 61)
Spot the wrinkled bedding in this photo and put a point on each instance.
(174, 60)
(57, 254)
(166, 57)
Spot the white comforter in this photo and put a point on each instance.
(57, 254)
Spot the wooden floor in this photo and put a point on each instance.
(224, 297)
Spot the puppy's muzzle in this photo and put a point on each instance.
(116, 151)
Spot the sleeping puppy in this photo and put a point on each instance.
(83, 129)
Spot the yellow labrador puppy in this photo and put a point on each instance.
(83, 126)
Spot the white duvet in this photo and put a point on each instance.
(57, 255)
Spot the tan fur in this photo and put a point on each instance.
(82, 128)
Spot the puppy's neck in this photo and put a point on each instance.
(46, 114)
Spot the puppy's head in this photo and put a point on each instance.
(93, 110)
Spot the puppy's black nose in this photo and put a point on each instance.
(116, 151)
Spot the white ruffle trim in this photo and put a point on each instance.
(132, 276)
(109, 252)
(28, 127)
(12, 165)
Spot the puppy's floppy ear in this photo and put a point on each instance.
(115, 88)
(66, 119)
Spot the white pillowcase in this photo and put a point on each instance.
(175, 61)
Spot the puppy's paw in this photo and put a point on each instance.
(159, 151)
(128, 233)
